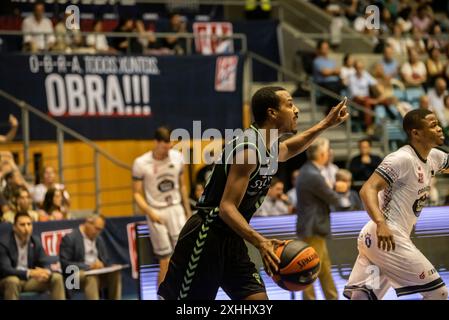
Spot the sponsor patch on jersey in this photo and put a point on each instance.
(166, 185)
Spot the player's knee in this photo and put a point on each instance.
(359, 295)
(438, 294)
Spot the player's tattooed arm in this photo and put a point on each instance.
(369, 195)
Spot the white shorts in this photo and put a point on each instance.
(405, 269)
(164, 236)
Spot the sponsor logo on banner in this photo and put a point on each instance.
(210, 37)
(51, 240)
(226, 73)
(96, 86)
(132, 248)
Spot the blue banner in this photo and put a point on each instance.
(125, 97)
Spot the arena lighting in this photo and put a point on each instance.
(432, 224)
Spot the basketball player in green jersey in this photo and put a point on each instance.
(211, 251)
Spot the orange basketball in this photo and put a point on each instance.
(299, 265)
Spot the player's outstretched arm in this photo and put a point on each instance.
(368, 194)
(236, 184)
(300, 142)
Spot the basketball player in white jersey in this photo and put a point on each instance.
(160, 193)
(394, 196)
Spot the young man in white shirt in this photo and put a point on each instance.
(394, 196)
(159, 191)
(38, 23)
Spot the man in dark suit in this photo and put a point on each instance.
(83, 250)
(315, 197)
(24, 266)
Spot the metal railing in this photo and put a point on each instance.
(61, 131)
(189, 37)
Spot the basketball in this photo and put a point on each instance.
(299, 266)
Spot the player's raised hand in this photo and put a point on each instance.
(385, 239)
(337, 115)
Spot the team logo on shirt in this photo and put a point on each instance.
(166, 185)
(422, 275)
(368, 240)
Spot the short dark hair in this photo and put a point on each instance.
(366, 140)
(414, 120)
(275, 181)
(21, 214)
(162, 134)
(263, 99)
(320, 43)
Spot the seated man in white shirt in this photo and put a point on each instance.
(38, 23)
(276, 202)
(360, 84)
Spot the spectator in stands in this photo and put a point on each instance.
(413, 72)
(313, 210)
(326, 73)
(276, 201)
(147, 38)
(84, 248)
(435, 67)
(13, 180)
(361, 84)
(416, 42)
(436, 39)
(423, 19)
(126, 44)
(347, 69)
(99, 42)
(20, 203)
(389, 63)
(38, 23)
(436, 99)
(24, 266)
(445, 121)
(67, 41)
(49, 181)
(291, 194)
(12, 132)
(338, 21)
(386, 102)
(350, 198)
(52, 208)
(174, 43)
(397, 42)
(363, 165)
(424, 102)
(195, 195)
(330, 169)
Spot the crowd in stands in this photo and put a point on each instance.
(48, 200)
(56, 37)
(388, 89)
